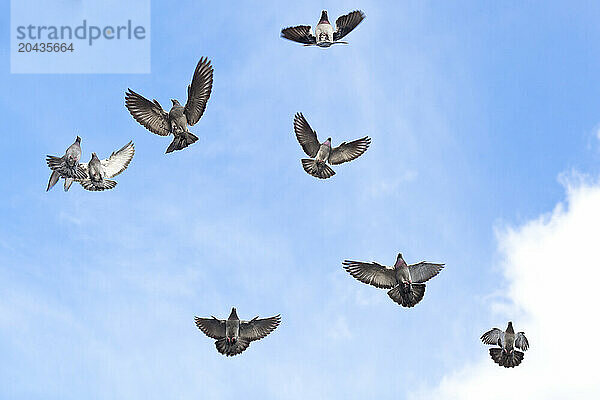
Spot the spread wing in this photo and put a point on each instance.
(148, 113)
(258, 328)
(424, 271)
(521, 341)
(199, 91)
(495, 336)
(306, 136)
(211, 327)
(59, 165)
(346, 23)
(118, 161)
(349, 151)
(372, 273)
(301, 34)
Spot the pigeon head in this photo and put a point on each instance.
(400, 261)
(327, 142)
(175, 102)
(233, 314)
(324, 18)
(94, 156)
(510, 329)
(78, 139)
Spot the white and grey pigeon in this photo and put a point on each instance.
(324, 35)
(323, 153)
(67, 166)
(151, 115)
(506, 355)
(406, 282)
(234, 336)
(99, 172)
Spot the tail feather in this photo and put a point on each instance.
(181, 142)
(317, 169)
(231, 349)
(506, 359)
(68, 183)
(407, 295)
(97, 186)
(54, 177)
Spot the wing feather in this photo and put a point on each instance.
(199, 91)
(211, 327)
(256, 328)
(306, 136)
(301, 34)
(372, 273)
(148, 113)
(521, 341)
(424, 271)
(349, 151)
(118, 161)
(346, 23)
(493, 337)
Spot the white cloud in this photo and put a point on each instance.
(552, 269)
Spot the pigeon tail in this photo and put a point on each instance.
(54, 177)
(407, 294)
(317, 169)
(506, 359)
(97, 186)
(231, 349)
(181, 142)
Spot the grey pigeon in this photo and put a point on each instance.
(322, 153)
(234, 336)
(406, 282)
(324, 35)
(99, 172)
(66, 166)
(506, 355)
(152, 116)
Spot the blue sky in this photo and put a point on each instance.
(475, 109)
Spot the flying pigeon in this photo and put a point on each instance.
(406, 282)
(506, 355)
(152, 116)
(322, 152)
(324, 35)
(98, 172)
(67, 166)
(234, 336)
